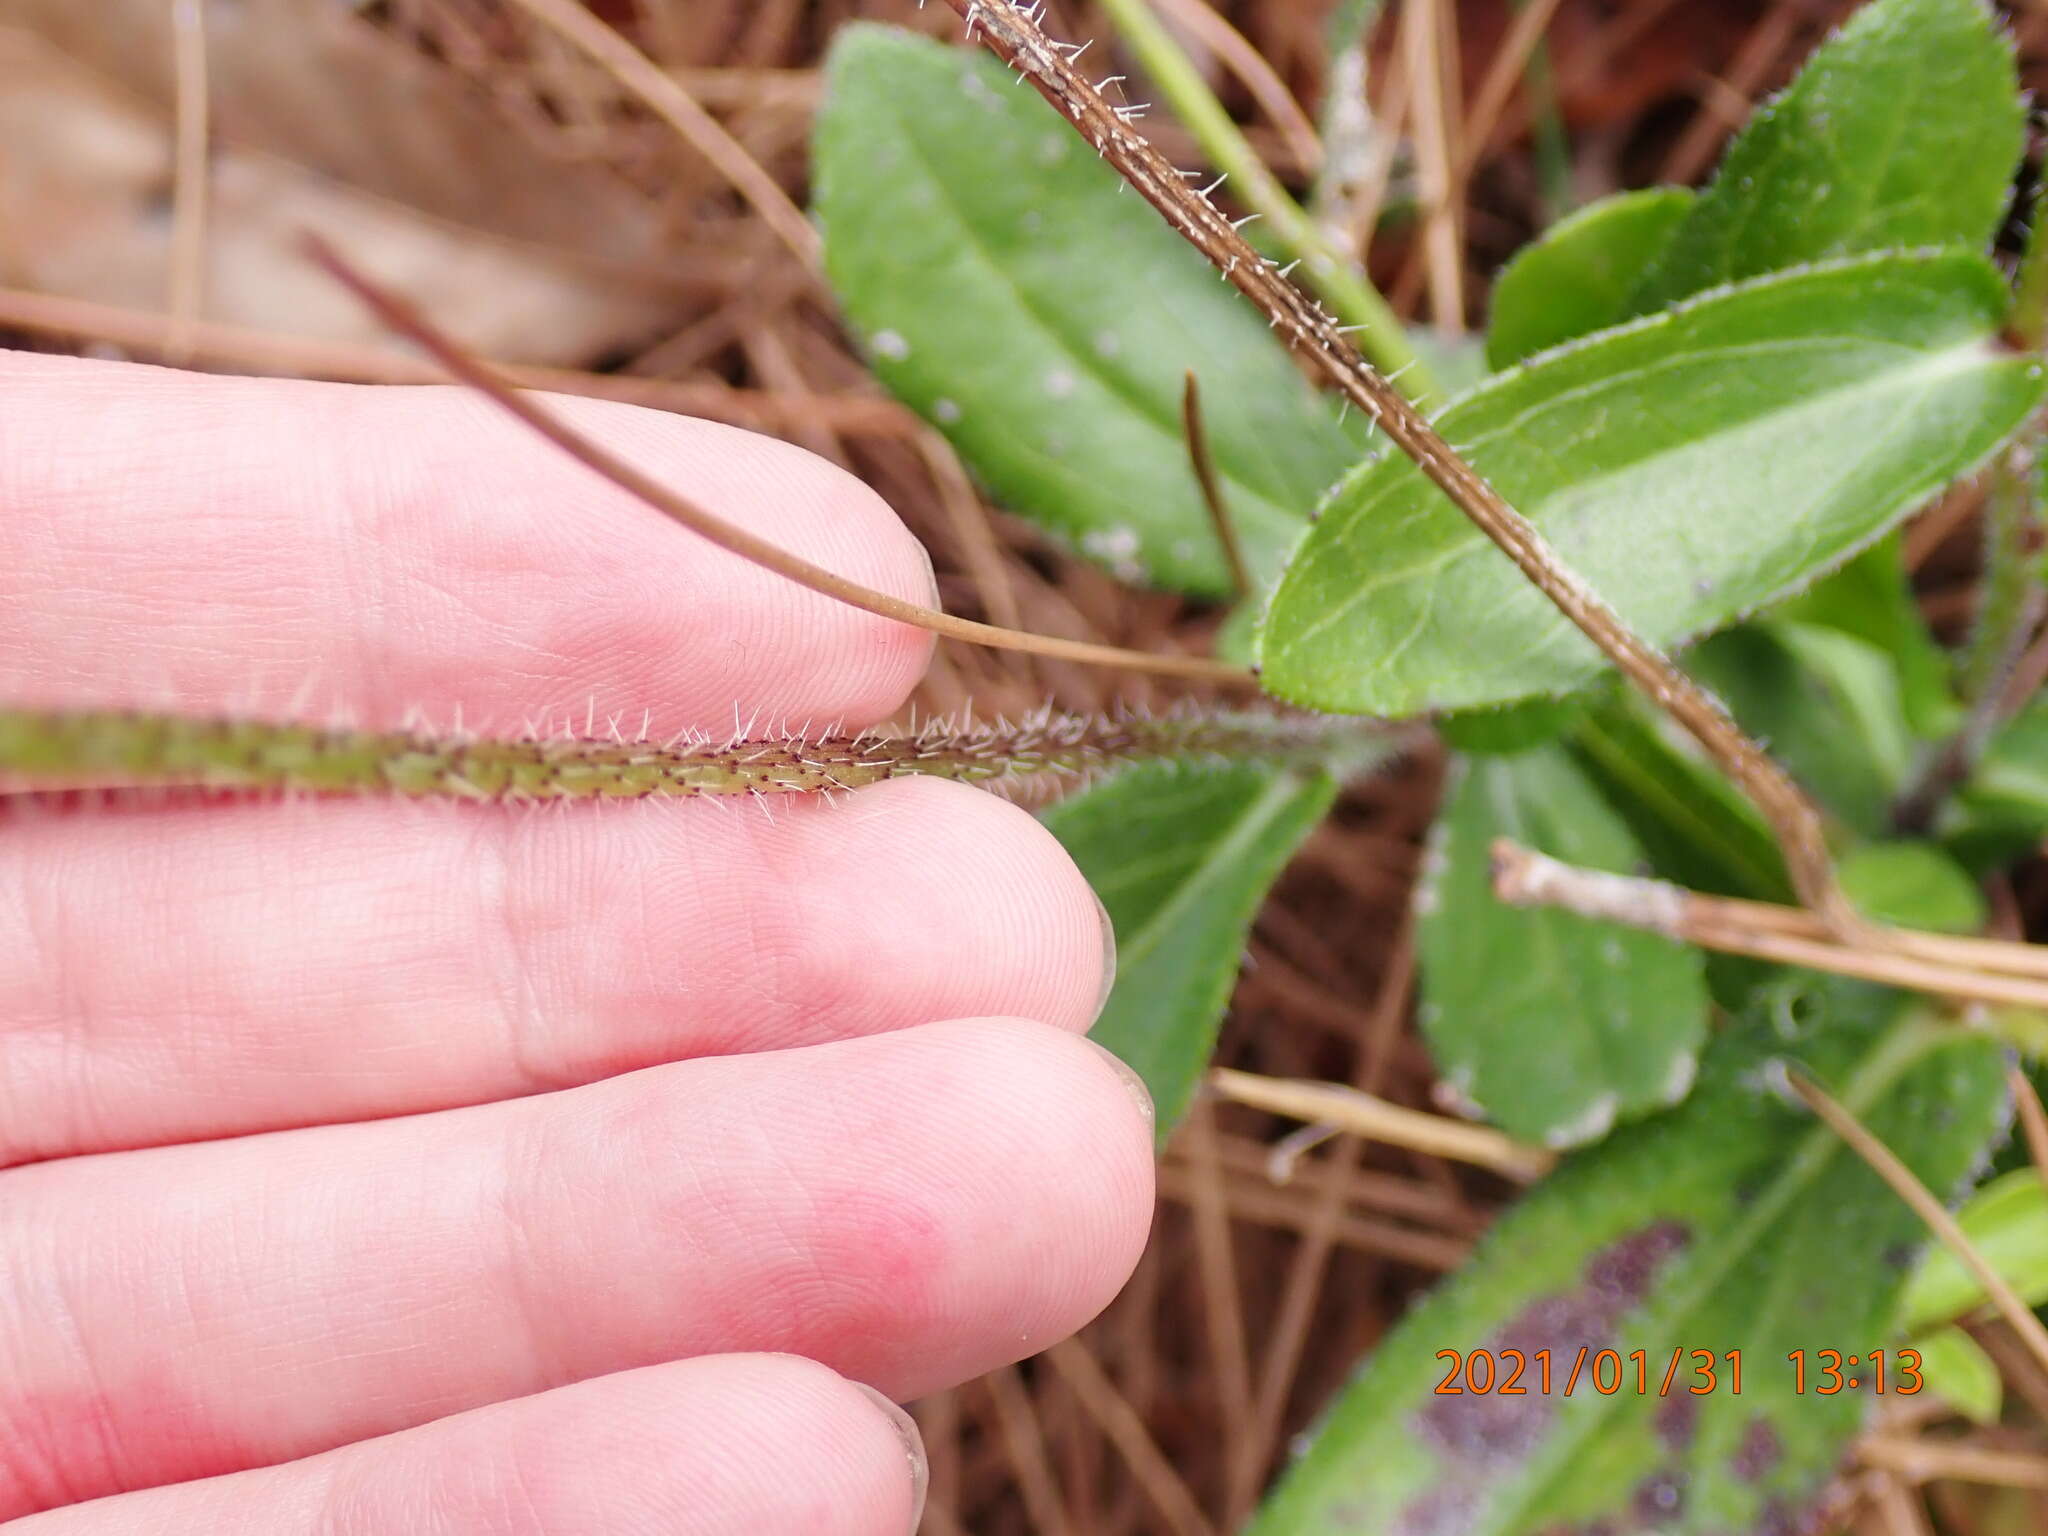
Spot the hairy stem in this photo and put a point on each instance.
(1014, 37)
(56, 751)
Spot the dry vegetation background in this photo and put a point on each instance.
(158, 158)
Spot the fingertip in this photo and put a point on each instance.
(982, 881)
(828, 660)
(1065, 1139)
(718, 1445)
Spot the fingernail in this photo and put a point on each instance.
(1133, 1084)
(1108, 955)
(913, 1447)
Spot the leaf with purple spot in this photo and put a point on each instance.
(1734, 1223)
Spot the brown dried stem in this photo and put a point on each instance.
(1981, 970)
(1212, 488)
(663, 94)
(1358, 1113)
(189, 185)
(1011, 34)
(402, 319)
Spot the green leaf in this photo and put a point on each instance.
(1515, 727)
(1182, 857)
(1872, 599)
(1902, 131)
(1576, 278)
(1734, 1223)
(1553, 1025)
(1015, 293)
(1827, 704)
(1956, 1370)
(1696, 828)
(1912, 885)
(1691, 467)
(2007, 1222)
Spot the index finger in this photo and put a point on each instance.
(270, 548)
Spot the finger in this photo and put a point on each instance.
(183, 974)
(910, 1208)
(260, 546)
(731, 1445)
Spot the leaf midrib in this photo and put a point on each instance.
(1932, 368)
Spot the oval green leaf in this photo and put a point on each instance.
(1014, 292)
(1552, 1025)
(1690, 467)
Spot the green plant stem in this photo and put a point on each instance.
(1356, 301)
(58, 751)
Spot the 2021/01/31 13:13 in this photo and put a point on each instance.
(1832, 1371)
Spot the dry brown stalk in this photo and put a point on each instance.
(1726, 102)
(1924, 1461)
(1421, 41)
(1505, 70)
(1216, 1259)
(1907, 1186)
(2033, 1117)
(663, 94)
(1014, 37)
(403, 320)
(1980, 970)
(1024, 1441)
(1895, 1506)
(1324, 1219)
(1363, 1114)
(1125, 1429)
(189, 176)
(1250, 66)
(1211, 486)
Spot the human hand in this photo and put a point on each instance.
(373, 1167)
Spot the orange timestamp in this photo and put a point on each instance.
(1892, 1371)
(1539, 1372)
(1696, 1372)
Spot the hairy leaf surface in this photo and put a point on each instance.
(1012, 290)
(1690, 467)
(1901, 131)
(1182, 857)
(1555, 1026)
(1734, 1223)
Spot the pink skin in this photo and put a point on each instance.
(501, 1135)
